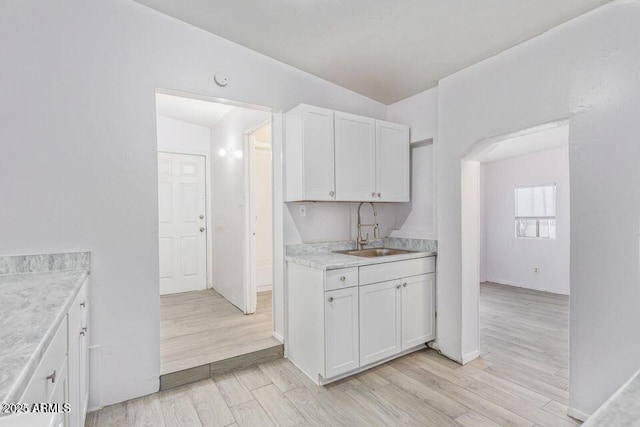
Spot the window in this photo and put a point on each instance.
(536, 212)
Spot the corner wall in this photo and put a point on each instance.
(586, 71)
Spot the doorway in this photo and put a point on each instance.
(516, 202)
(260, 217)
(214, 189)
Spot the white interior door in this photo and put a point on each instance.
(182, 221)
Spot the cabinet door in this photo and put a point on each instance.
(73, 373)
(318, 153)
(355, 161)
(84, 374)
(59, 393)
(418, 310)
(341, 331)
(380, 319)
(392, 162)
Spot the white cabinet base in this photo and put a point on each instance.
(324, 381)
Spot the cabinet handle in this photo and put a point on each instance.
(83, 304)
(332, 193)
(404, 285)
(342, 278)
(52, 377)
(330, 299)
(373, 194)
(379, 195)
(398, 286)
(83, 331)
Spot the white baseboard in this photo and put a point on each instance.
(466, 358)
(265, 288)
(577, 414)
(278, 337)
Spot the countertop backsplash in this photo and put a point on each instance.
(45, 262)
(421, 245)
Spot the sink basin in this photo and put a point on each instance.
(375, 252)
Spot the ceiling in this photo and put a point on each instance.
(384, 49)
(548, 139)
(194, 111)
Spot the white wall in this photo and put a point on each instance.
(510, 260)
(327, 221)
(584, 70)
(78, 140)
(228, 201)
(417, 218)
(176, 136)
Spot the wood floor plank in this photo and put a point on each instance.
(251, 414)
(281, 411)
(233, 391)
(210, 405)
(465, 397)
(473, 419)
(113, 415)
(180, 412)
(316, 410)
(145, 412)
(252, 378)
(416, 409)
(430, 396)
(282, 375)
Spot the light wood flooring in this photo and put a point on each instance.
(197, 328)
(520, 380)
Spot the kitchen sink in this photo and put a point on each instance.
(375, 252)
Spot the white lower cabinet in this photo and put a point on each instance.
(63, 373)
(380, 318)
(340, 323)
(341, 331)
(418, 310)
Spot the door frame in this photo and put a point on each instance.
(250, 286)
(470, 203)
(207, 202)
(279, 295)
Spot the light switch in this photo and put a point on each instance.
(302, 210)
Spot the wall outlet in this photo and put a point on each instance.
(536, 270)
(302, 211)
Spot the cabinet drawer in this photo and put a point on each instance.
(78, 311)
(396, 270)
(341, 278)
(40, 388)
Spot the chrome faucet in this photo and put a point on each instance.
(360, 241)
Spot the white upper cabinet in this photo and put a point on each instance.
(309, 154)
(355, 147)
(392, 162)
(335, 156)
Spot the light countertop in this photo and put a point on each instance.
(33, 306)
(622, 409)
(321, 256)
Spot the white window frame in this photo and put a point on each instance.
(537, 219)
